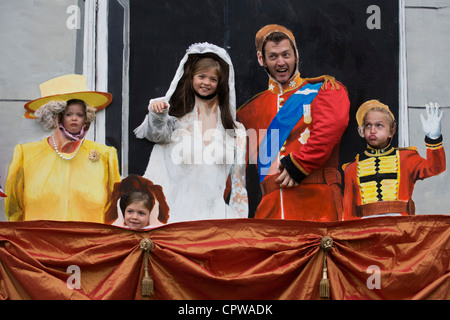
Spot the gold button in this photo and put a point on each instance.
(283, 149)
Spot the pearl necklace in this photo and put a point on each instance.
(59, 154)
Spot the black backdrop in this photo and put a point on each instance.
(332, 36)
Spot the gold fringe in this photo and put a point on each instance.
(326, 79)
(147, 286)
(324, 285)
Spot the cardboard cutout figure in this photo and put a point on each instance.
(65, 176)
(298, 124)
(134, 183)
(381, 179)
(198, 142)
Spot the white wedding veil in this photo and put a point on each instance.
(195, 49)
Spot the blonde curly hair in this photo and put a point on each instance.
(52, 112)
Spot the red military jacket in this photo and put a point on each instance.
(382, 181)
(310, 153)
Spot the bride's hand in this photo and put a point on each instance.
(158, 106)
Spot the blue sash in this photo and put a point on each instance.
(281, 126)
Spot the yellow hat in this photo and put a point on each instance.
(64, 88)
(368, 105)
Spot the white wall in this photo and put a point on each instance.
(428, 65)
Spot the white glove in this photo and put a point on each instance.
(432, 125)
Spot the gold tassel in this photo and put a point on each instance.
(147, 287)
(324, 286)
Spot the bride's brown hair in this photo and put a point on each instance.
(183, 99)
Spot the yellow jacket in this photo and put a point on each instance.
(43, 186)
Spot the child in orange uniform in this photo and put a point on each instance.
(381, 179)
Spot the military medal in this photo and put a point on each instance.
(307, 113)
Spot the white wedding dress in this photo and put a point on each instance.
(194, 174)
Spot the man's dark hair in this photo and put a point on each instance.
(277, 37)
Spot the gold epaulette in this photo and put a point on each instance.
(345, 165)
(325, 78)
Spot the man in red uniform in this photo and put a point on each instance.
(302, 122)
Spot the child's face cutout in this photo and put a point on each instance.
(205, 82)
(377, 130)
(74, 118)
(137, 216)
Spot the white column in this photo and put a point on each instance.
(403, 118)
(95, 58)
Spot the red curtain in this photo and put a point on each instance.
(377, 258)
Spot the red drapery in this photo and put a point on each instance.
(377, 258)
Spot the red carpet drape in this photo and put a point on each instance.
(378, 258)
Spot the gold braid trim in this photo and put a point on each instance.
(326, 79)
(299, 167)
(434, 146)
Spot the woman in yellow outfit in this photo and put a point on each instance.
(63, 177)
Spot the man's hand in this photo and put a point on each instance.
(285, 180)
